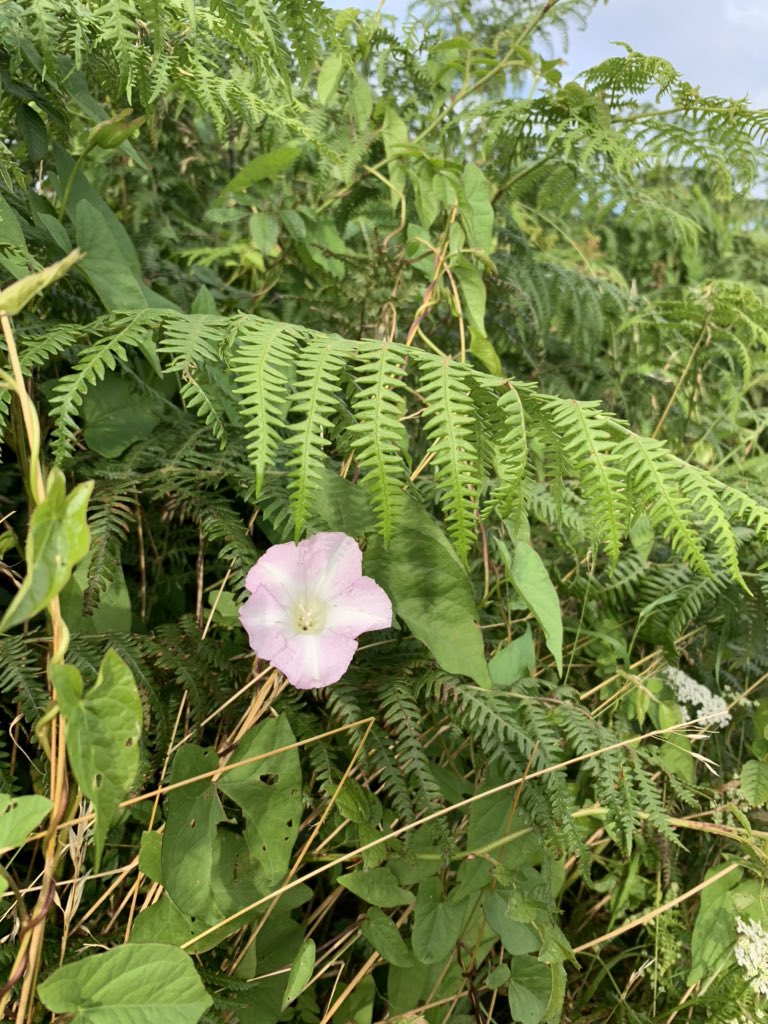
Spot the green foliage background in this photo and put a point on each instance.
(506, 329)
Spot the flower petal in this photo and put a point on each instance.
(363, 607)
(314, 659)
(279, 571)
(332, 563)
(267, 622)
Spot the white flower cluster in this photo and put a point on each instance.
(711, 709)
(751, 952)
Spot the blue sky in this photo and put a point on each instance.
(721, 45)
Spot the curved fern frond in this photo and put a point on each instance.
(511, 458)
(654, 482)
(195, 345)
(122, 332)
(590, 452)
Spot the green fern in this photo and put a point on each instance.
(318, 367)
(263, 357)
(114, 337)
(584, 438)
(378, 438)
(449, 424)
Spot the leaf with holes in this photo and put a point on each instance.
(103, 732)
(193, 813)
(19, 816)
(268, 790)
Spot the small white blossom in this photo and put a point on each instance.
(711, 709)
(751, 952)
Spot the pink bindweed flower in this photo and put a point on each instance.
(309, 602)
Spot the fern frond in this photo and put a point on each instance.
(508, 498)
(701, 495)
(378, 438)
(196, 344)
(315, 400)
(405, 721)
(589, 450)
(220, 523)
(22, 675)
(264, 355)
(120, 333)
(448, 419)
(110, 514)
(654, 482)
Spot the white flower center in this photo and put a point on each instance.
(309, 616)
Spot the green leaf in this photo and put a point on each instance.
(394, 133)
(516, 936)
(476, 208)
(361, 102)
(514, 662)
(114, 280)
(483, 350)
(264, 230)
(20, 816)
(113, 612)
(530, 578)
(530, 989)
(300, 973)
(58, 538)
(16, 296)
(437, 922)
(498, 976)
(265, 165)
(328, 78)
(754, 782)
(14, 255)
(473, 293)
(34, 131)
(103, 732)
(384, 935)
(714, 930)
(377, 886)
(164, 922)
(427, 202)
(342, 505)
(81, 189)
(133, 984)
(115, 416)
(150, 856)
(431, 592)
